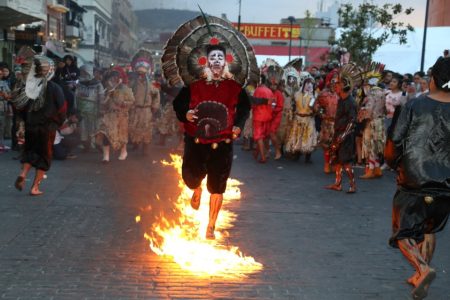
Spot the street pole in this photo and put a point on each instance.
(300, 47)
(291, 20)
(422, 61)
(239, 16)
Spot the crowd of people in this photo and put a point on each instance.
(363, 116)
(296, 112)
(51, 109)
(104, 108)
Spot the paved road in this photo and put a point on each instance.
(80, 240)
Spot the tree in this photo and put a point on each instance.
(368, 26)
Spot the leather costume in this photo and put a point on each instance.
(419, 148)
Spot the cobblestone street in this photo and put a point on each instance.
(80, 239)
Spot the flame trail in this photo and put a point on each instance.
(183, 239)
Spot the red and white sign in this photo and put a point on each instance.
(269, 31)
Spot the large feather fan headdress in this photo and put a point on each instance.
(184, 59)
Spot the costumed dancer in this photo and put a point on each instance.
(214, 61)
(168, 124)
(262, 114)
(373, 112)
(147, 100)
(342, 152)
(274, 75)
(88, 96)
(302, 136)
(46, 111)
(113, 124)
(419, 150)
(326, 106)
(291, 78)
(19, 99)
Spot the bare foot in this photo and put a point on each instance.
(334, 187)
(35, 191)
(210, 233)
(413, 279)
(196, 196)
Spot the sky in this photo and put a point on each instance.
(272, 11)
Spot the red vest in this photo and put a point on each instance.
(226, 92)
(262, 112)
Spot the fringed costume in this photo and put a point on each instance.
(147, 99)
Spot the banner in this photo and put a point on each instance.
(269, 31)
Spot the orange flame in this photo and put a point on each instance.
(183, 239)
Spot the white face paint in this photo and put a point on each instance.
(309, 87)
(292, 81)
(216, 62)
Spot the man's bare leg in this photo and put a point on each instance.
(411, 251)
(426, 247)
(337, 186)
(196, 196)
(276, 145)
(36, 182)
(260, 149)
(215, 203)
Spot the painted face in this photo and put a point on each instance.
(292, 81)
(309, 87)
(216, 62)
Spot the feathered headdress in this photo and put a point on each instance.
(372, 72)
(350, 75)
(296, 63)
(142, 60)
(24, 58)
(185, 58)
(291, 72)
(273, 71)
(116, 71)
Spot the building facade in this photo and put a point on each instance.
(438, 14)
(20, 13)
(124, 32)
(97, 32)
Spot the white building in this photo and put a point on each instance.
(96, 44)
(15, 13)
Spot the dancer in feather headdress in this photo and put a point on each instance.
(214, 61)
(373, 111)
(46, 109)
(147, 100)
(343, 146)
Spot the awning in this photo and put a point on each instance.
(11, 17)
(56, 48)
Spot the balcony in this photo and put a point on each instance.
(72, 32)
(58, 5)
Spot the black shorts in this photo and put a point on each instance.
(200, 160)
(412, 217)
